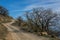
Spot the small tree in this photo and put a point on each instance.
(19, 20)
(3, 11)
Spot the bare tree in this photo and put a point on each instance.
(41, 18)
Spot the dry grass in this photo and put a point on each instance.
(5, 19)
(3, 32)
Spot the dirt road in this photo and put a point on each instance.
(16, 34)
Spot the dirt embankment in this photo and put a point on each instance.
(9, 37)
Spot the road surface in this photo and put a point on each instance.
(16, 34)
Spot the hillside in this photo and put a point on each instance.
(10, 32)
(16, 34)
(3, 32)
(5, 18)
(3, 29)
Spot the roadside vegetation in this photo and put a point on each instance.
(39, 21)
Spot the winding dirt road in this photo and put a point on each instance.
(16, 34)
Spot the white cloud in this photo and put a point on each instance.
(55, 5)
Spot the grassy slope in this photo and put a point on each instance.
(3, 31)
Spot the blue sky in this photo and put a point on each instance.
(18, 7)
